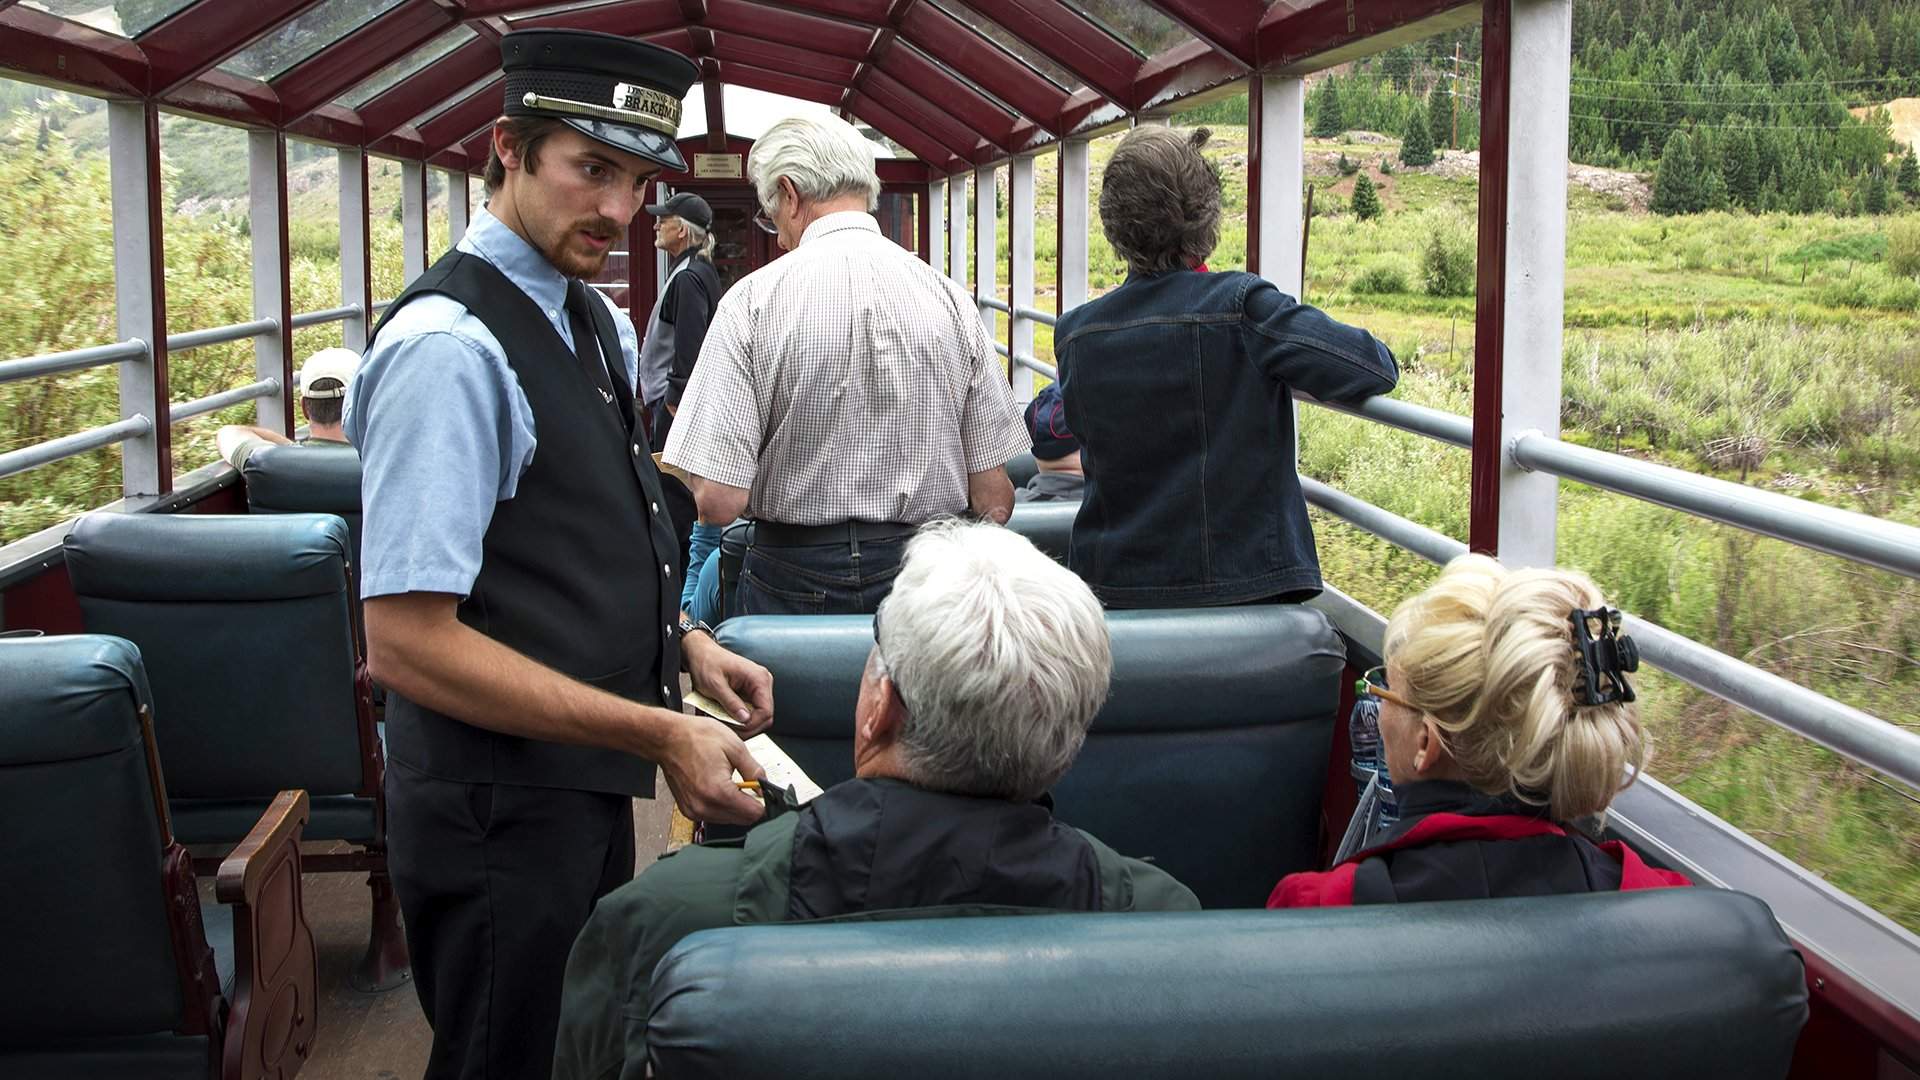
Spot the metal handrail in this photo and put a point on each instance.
(1036, 315)
(1863, 538)
(1435, 424)
(32, 367)
(337, 314)
(1036, 364)
(382, 305)
(32, 457)
(220, 335)
(1853, 734)
(187, 410)
(1002, 350)
(995, 304)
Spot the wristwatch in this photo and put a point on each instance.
(688, 626)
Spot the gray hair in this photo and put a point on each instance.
(1160, 199)
(823, 157)
(1001, 656)
(699, 240)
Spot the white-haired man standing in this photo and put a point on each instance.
(846, 394)
(678, 326)
(989, 662)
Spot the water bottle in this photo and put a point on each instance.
(1369, 761)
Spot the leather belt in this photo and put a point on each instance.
(851, 533)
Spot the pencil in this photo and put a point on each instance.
(747, 785)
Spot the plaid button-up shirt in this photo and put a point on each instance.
(848, 380)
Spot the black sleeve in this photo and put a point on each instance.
(690, 309)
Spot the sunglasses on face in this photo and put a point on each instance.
(1374, 682)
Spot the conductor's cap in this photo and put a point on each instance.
(614, 90)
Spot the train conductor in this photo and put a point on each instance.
(520, 577)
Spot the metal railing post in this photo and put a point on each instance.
(984, 247)
(272, 280)
(958, 255)
(458, 210)
(413, 219)
(1020, 226)
(1540, 51)
(1277, 178)
(936, 197)
(356, 263)
(1071, 248)
(139, 282)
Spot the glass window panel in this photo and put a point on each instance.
(304, 36)
(389, 77)
(976, 87)
(555, 9)
(1143, 29)
(998, 34)
(464, 93)
(124, 17)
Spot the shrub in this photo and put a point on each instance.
(1347, 166)
(1448, 266)
(1386, 275)
(1903, 247)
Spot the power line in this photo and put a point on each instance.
(1712, 127)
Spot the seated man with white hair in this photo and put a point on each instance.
(846, 394)
(990, 660)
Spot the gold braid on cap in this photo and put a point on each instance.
(631, 105)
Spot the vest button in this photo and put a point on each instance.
(666, 693)
(655, 507)
(667, 569)
(636, 449)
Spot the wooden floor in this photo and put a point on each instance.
(384, 1036)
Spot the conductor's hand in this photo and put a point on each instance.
(701, 757)
(740, 686)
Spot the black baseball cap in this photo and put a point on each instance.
(686, 206)
(1047, 424)
(614, 90)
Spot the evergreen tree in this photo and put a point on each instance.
(1417, 145)
(1366, 201)
(1327, 121)
(1440, 115)
(1876, 197)
(1909, 181)
(1713, 191)
(1742, 169)
(1677, 188)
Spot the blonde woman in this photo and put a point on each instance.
(1505, 712)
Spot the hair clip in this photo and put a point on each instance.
(1605, 654)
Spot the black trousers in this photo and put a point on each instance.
(495, 881)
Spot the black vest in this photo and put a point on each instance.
(577, 569)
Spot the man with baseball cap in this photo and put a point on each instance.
(323, 392)
(1055, 450)
(520, 569)
(684, 230)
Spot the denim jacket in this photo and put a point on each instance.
(1179, 386)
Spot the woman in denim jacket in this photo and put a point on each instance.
(1179, 384)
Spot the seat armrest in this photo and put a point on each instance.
(274, 1000)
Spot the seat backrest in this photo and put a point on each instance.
(88, 945)
(321, 478)
(244, 624)
(1669, 983)
(1021, 468)
(1048, 524)
(1210, 755)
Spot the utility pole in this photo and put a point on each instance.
(1453, 92)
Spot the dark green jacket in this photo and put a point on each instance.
(603, 1010)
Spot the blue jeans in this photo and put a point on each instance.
(820, 579)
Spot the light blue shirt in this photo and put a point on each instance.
(443, 429)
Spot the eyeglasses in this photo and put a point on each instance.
(765, 222)
(1375, 682)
